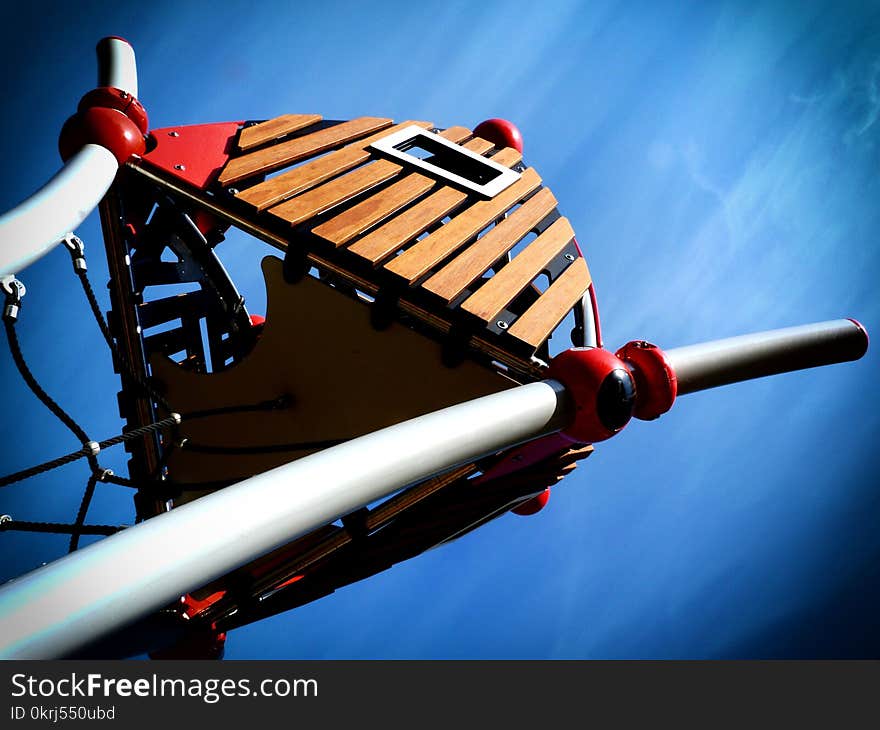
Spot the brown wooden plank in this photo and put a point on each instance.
(479, 145)
(418, 260)
(466, 268)
(455, 134)
(535, 325)
(251, 137)
(285, 153)
(321, 199)
(308, 175)
(385, 240)
(354, 221)
(507, 157)
(367, 213)
(506, 285)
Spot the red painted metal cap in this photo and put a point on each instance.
(109, 128)
(656, 384)
(112, 98)
(602, 388)
(534, 505)
(501, 133)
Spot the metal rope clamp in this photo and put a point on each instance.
(77, 250)
(15, 290)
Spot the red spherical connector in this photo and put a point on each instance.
(501, 133)
(109, 128)
(112, 98)
(534, 505)
(602, 388)
(109, 117)
(656, 384)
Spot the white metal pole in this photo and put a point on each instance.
(73, 601)
(35, 226)
(721, 362)
(116, 65)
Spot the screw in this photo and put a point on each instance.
(180, 167)
(502, 325)
(174, 134)
(569, 257)
(232, 191)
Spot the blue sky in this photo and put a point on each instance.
(719, 162)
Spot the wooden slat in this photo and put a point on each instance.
(290, 183)
(385, 240)
(322, 199)
(455, 134)
(369, 212)
(466, 268)
(286, 153)
(479, 146)
(419, 259)
(535, 325)
(507, 284)
(507, 157)
(251, 137)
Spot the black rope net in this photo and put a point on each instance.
(91, 449)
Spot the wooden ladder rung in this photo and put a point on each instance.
(263, 132)
(418, 260)
(281, 187)
(466, 268)
(535, 325)
(285, 153)
(499, 291)
(377, 245)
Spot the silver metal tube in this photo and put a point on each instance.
(73, 601)
(36, 225)
(732, 360)
(116, 65)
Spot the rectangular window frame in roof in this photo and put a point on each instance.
(448, 162)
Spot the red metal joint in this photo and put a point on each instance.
(602, 388)
(501, 133)
(109, 128)
(533, 505)
(113, 98)
(656, 384)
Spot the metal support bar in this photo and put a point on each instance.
(74, 601)
(116, 65)
(35, 226)
(735, 359)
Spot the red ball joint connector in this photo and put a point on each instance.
(656, 384)
(109, 117)
(501, 133)
(109, 128)
(602, 388)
